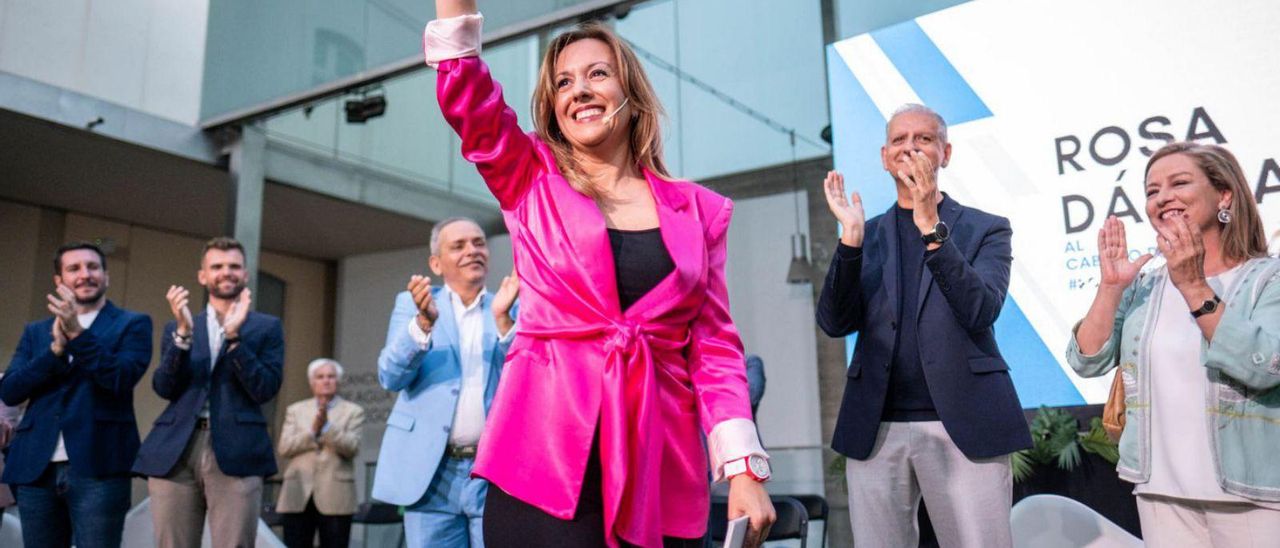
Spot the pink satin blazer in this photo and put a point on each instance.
(645, 379)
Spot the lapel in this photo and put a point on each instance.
(103, 323)
(949, 213)
(337, 415)
(490, 336)
(446, 327)
(200, 344)
(681, 234)
(889, 231)
(579, 222)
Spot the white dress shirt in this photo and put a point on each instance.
(216, 334)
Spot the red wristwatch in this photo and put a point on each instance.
(755, 466)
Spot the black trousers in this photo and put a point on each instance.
(300, 529)
(509, 521)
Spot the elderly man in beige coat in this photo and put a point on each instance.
(320, 438)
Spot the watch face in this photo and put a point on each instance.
(759, 466)
(942, 230)
(1209, 306)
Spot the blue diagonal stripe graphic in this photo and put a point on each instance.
(858, 134)
(929, 73)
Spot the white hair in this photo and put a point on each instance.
(916, 108)
(435, 231)
(317, 363)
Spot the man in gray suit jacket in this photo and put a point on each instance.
(444, 351)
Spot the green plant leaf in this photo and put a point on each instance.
(1022, 466)
(1097, 441)
(1069, 456)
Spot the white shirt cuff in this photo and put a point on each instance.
(731, 440)
(452, 38)
(510, 334)
(422, 338)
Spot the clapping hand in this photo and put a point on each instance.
(236, 314)
(1113, 257)
(923, 183)
(179, 305)
(64, 311)
(59, 344)
(847, 210)
(322, 415)
(1182, 246)
(503, 300)
(420, 289)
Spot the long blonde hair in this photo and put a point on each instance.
(646, 111)
(1243, 238)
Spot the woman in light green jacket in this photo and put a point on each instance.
(1197, 341)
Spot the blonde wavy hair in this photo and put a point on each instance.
(646, 111)
(1244, 237)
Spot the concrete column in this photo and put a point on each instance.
(248, 180)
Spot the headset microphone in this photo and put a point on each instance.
(615, 112)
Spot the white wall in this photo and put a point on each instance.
(776, 322)
(147, 55)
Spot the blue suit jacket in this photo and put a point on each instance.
(243, 380)
(962, 289)
(88, 398)
(428, 383)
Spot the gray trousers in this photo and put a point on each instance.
(968, 500)
(180, 500)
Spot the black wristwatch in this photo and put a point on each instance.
(939, 235)
(1209, 307)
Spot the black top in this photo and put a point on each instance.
(640, 262)
(908, 396)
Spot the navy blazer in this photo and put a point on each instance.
(962, 289)
(89, 398)
(243, 379)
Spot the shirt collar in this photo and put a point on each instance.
(212, 316)
(456, 301)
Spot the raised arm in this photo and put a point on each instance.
(472, 103)
(840, 304)
(295, 437)
(115, 368)
(345, 441)
(1117, 273)
(1095, 340)
(453, 8)
(34, 367)
(975, 291)
(400, 358)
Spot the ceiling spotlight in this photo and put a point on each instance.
(366, 107)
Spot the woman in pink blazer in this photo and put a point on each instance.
(625, 343)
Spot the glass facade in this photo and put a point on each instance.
(735, 83)
(259, 51)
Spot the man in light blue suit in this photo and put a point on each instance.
(444, 351)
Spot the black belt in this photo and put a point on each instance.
(460, 452)
(202, 423)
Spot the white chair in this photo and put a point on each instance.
(1051, 521)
